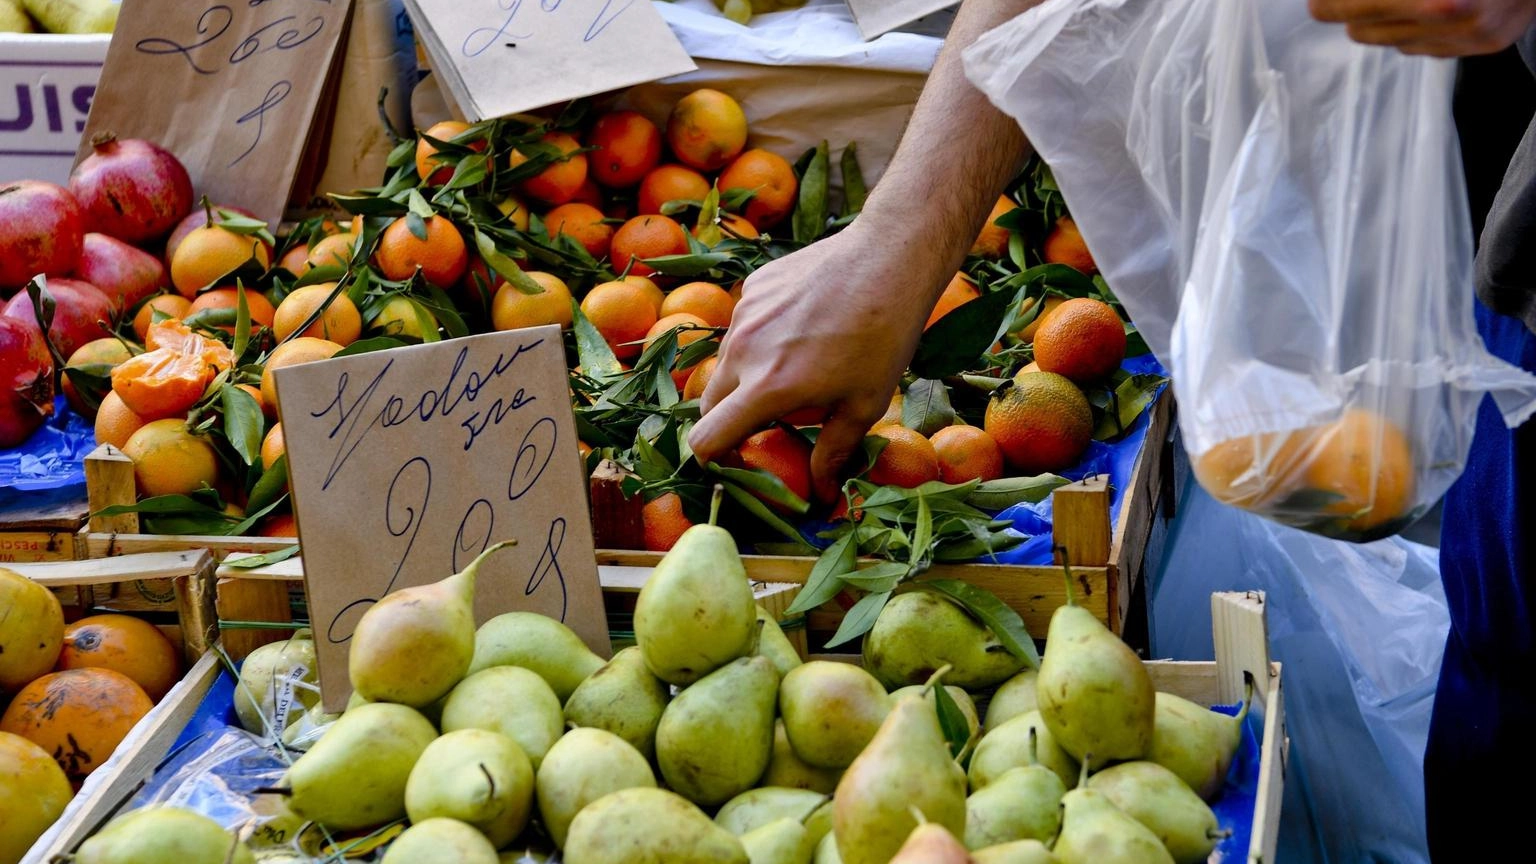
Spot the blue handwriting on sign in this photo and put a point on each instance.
(482, 39)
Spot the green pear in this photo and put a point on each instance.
(269, 684)
(782, 841)
(538, 643)
(696, 612)
(830, 711)
(918, 631)
(963, 701)
(511, 700)
(1094, 692)
(715, 737)
(786, 768)
(826, 851)
(1022, 804)
(648, 826)
(412, 646)
(354, 777)
(162, 834)
(583, 766)
(1196, 743)
(1094, 831)
(1009, 746)
(307, 729)
(774, 645)
(440, 841)
(624, 698)
(931, 844)
(1158, 799)
(906, 767)
(476, 776)
(1015, 696)
(1017, 852)
(757, 807)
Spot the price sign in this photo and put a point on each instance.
(875, 17)
(499, 57)
(406, 464)
(232, 89)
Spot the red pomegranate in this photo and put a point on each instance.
(126, 274)
(133, 190)
(26, 381)
(40, 229)
(197, 219)
(81, 313)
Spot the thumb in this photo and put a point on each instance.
(840, 436)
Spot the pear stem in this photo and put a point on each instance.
(1066, 566)
(273, 790)
(918, 815)
(714, 503)
(1248, 685)
(1034, 750)
(757, 637)
(474, 565)
(1082, 777)
(489, 779)
(933, 680)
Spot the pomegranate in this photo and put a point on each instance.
(133, 190)
(126, 274)
(26, 381)
(81, 313)
(40, 229)
(194, 220)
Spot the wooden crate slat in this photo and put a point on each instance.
(31, 546)
(109, 482)
(104, 545)
(158, 565)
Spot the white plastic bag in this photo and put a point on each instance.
(1283, 213)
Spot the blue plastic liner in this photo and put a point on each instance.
(54, 456)
(1234, 809)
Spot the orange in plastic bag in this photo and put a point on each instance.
(162, 383)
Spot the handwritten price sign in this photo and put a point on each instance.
(875, 17)
(406, 464)
(499, 57)
(232, 88)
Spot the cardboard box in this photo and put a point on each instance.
(46, 86)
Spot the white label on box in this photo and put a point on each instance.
(46, 87)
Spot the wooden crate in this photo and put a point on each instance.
(40, 526)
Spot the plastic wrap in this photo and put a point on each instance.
(53, 457)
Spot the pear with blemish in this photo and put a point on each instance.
(931, 844)
(714, 739)
(1017, 852)
(1196, 743)
(1095, 831)
(623, 698)
(830, 711)
(1158, 799)
(786, 768)
(963, 701)
(355, 776)
(539, 644)
(1024, 740)
(648, 826)
(755, 808)
(1022, 804)
(774, 645)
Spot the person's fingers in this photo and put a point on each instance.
(743, 411)
(722, 381)
(840, 436)
(1357, 11)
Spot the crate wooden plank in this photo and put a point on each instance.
(1139, 507)
(27, 546)
(95, 544)
(109, 482)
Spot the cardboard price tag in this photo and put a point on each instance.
(500, 57)
(875, 17)
(406, 464)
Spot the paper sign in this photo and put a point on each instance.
(405, 464)
(500, 57)
(232, 89)
(875, 17)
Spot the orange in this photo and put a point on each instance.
(626, 147)
(966, 453)
(562, 179)
(433, 171)
(706, 129)
(1251, 471)
(664, 521)
(78, 716)
(652, 293)
(1064, 245)
(684, 339)
(771, 179)
(1368, 462)
(783, 454)
(623, 313)
(442, 257)
(174, 305)
(650, 236)
(1027, 334)
(588, 194)
(211, 252)
(733, 227)
(908, 459)
(169, 459)
(1042, 422)
(177, 336)
(511, 309)
(992, 242)
(957, 293)
(700, 378)
(115, 422)
(340, 322)
(402, 316)
(279, 525)
(516, 211)
(256, 303)
(161, 383)
(255, 393)
(125, 644)
(33, 794)
(108, 352)
(333, 251)
(295, 260)
(704, 299)
(670, 183)
(1083, 339)
(893, 411)
(299, 349)
(582, 223)
(272, 446)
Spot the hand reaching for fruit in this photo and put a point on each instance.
(1440, 28)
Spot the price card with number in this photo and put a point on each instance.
(406, 464)
(875, 17)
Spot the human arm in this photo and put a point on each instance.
(1441, 28)
(832, 327)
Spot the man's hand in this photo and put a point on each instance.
(1440, 28)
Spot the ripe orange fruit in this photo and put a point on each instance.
(300, 349)
(511, 309)
(255, 393)
(704, 299)
(966, 453)
(1027, 333)
(649, 289)
(176, 336)
(211, 252)
(670, 183)
(562, 179)
(402, 316)
(1251, 471)
(256, 303)
(33, 794)
(125, 644)
(699, 380)
(684, 339)
(706, 129)
(626, 147)
(664, 521)
(588, 194)
(107, 352)
(908, 459)
(623, 313)
(333, 251)
(582, 223)
(433, 170)
(1368, 462)
(174, 305)
(649, 236)
(1064, 245)
(78, 716)
(161, 383)
(295, 260)
(279, 525)
(442, 257)
(115, 422)
(1083, 339)
(168, 459)
(340, 322)
(514, 210)
(772, 180)
(1043, 423)
(992, 242)
(783, 454)
(957, 293)
(893, 411)
(272, 446)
